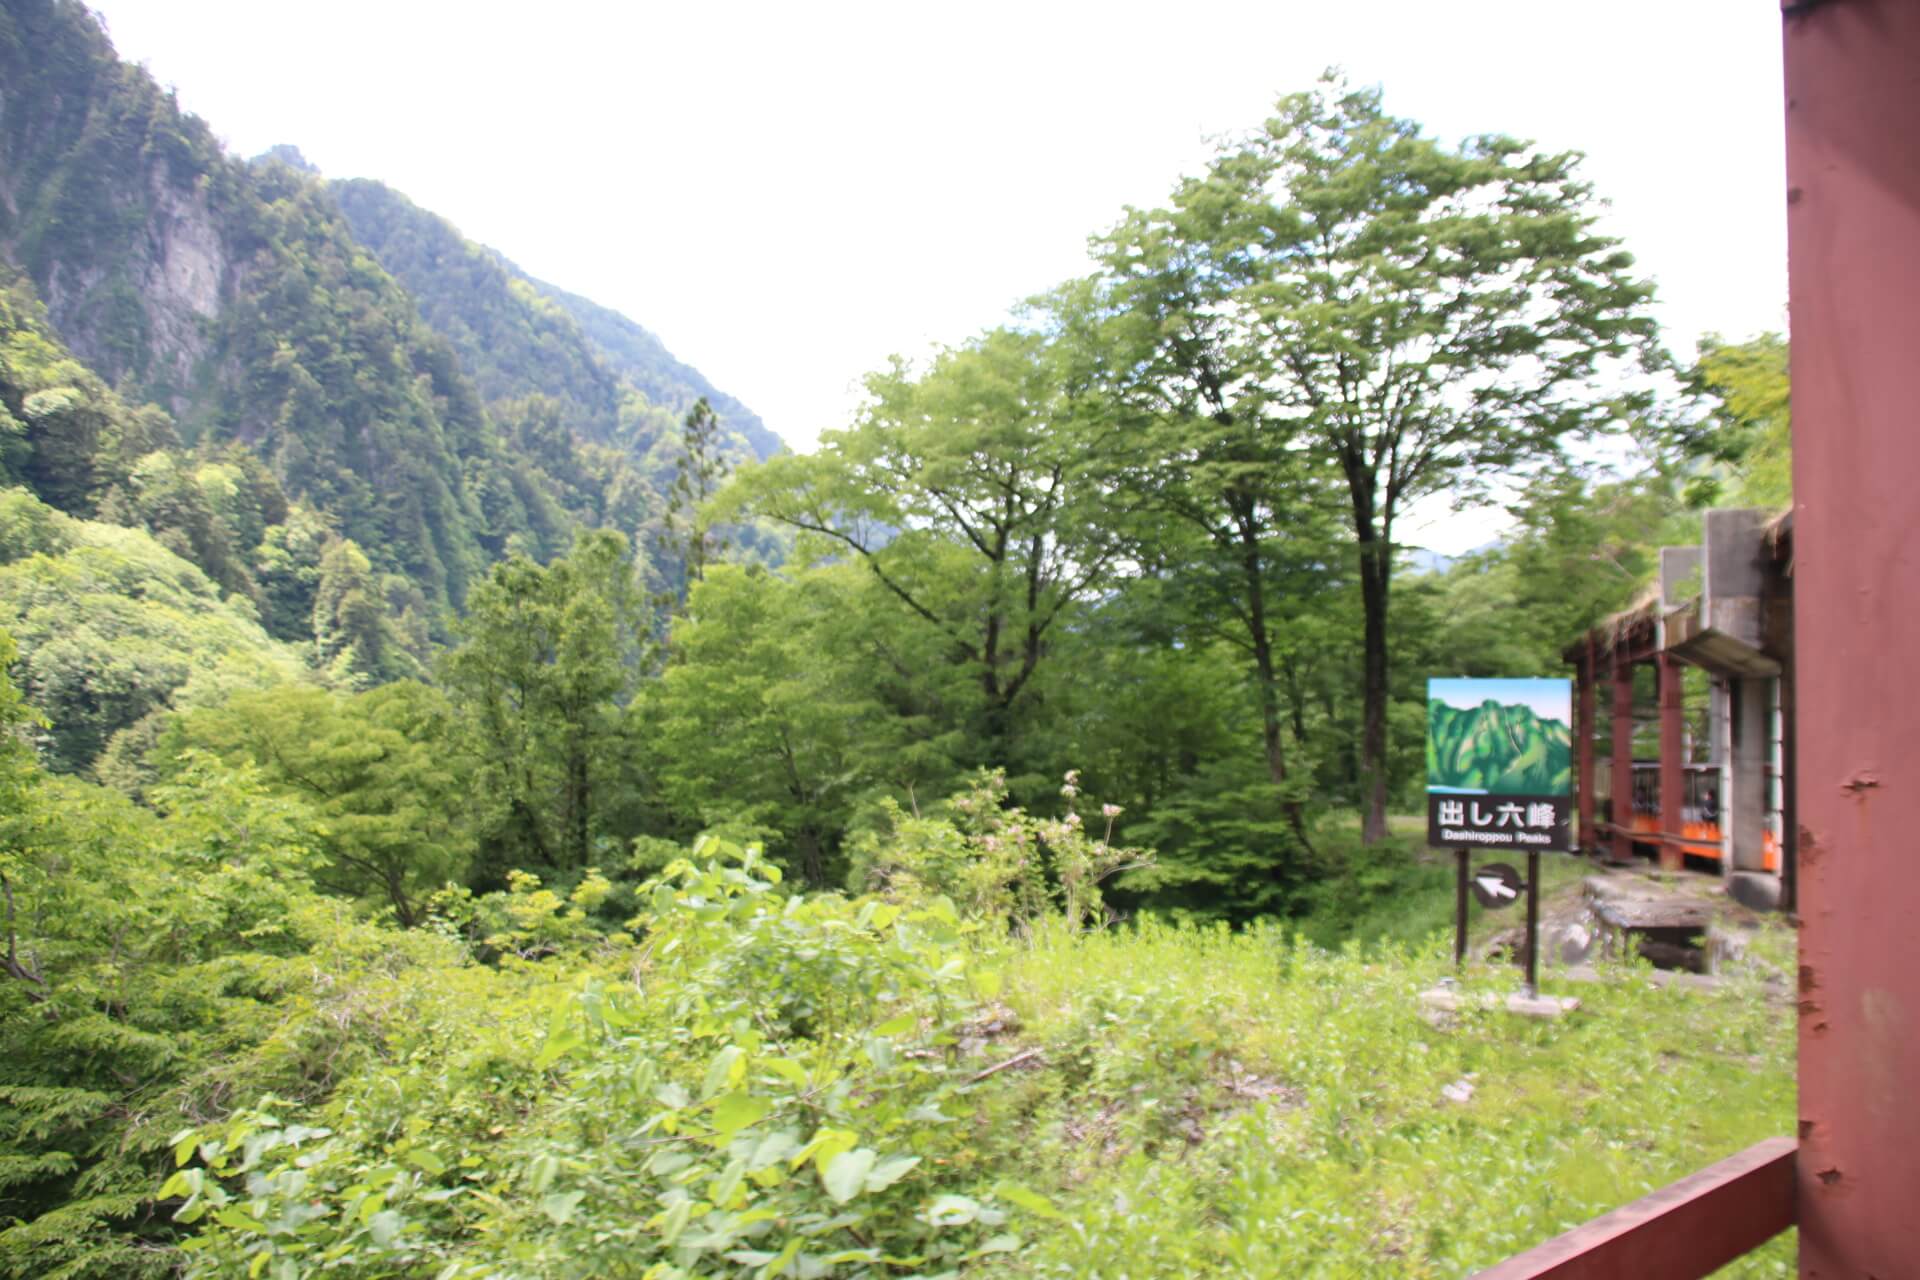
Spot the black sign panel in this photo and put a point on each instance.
(1459, 820)
(1497, 885)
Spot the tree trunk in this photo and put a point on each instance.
(1270, 726)
(578, 801)
(1375, 568)
(812, 857)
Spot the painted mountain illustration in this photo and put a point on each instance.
(1497, 747)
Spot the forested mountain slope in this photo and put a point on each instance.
(518, 336)
(644, 361)
(238, 298)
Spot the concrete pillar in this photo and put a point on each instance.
(1673, 759)
(1748, 792)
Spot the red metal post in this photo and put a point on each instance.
(1622, 846)
(1853, 240)
(1673, 753)
(1586, 726)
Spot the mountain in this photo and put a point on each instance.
(644, 361)
(439, 433)
(518, 336)
(1497, 747)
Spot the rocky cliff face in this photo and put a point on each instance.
(237, 297)
(110, 198)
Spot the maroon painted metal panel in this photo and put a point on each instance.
(1853, 220)
(1673, 755)
(1683, 1231)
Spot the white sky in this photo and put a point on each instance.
(787, 194)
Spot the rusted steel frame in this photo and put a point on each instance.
(1789, 808)
(1672, 758)
(1853, 253)
(1588, 718)
(1684, 1231)
(1622, 849)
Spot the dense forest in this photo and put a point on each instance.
(471, 804)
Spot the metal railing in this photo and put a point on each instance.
(1684, 1231)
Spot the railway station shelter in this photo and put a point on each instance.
(1683, 713)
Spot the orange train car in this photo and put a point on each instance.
(1700, 812)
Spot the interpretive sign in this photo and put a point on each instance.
(1499, 764)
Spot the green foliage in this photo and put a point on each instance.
(1414, 317)
(1244, 1103)
(1150, 534)
(767, 714)
(778, 1084)
(959, 490)
(698, 475)
(549, 659)
(1745, 432)
(780, 1095)
(84, 450)
(113, 628)
(377, 770)
(355, 639)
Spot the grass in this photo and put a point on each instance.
(1213, 1102)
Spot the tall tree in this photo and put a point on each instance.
(769, 713)
(549, 658)
(698, 474)
(1238, 527)
(1423, 318)
(961, 490)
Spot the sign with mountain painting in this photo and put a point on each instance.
(1499, 763)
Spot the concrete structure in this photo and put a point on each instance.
(1719, 796)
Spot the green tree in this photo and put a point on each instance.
(548, 660)
(698, 474)
(377, 769)
(354, 638)
(113, 627)
(286, 565)
(1744, 434)
(768, 715)
(960, 490)
(1424, 318)
(135, 954)
(1237, 529)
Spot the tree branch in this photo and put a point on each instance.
(13, 966)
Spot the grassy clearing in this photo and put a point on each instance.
(770, 1085)
(1247, 1103)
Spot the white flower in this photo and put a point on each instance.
(1109, 810)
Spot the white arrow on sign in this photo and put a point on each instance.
(1496, 887)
